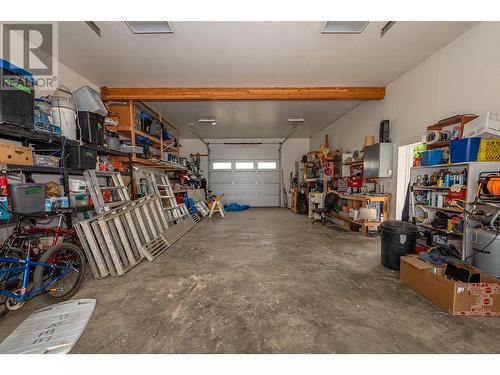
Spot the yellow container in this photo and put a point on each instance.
(489, 150)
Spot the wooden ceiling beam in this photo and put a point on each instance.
(242, 93)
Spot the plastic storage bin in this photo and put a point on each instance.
(17, 97)
(113, 140)
(464, 150)
(27, 198)
(77, 186)
(81, 157)
(91, 128)
(89, 100)
(155, 128)
(431, 157)
(489, 150)
(46, 161)
(78, 199)
(128, 149)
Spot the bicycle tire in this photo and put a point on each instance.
(38, 274)
(9, 253)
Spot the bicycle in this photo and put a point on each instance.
(56, 271)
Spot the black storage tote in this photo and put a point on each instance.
(90, 128)
(17, 96)
(81, 157)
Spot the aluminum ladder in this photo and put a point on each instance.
(160, 186)
(114, 185)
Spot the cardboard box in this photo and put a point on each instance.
(485, 126)
(458, 298)
(13, 154)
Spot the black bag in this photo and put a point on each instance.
(440, 220)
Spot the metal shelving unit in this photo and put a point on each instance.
(473, 170)
(29, 137)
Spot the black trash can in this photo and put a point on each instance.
(398, 238)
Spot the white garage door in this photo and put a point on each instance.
(247, 174)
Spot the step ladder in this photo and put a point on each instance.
(159, 184)
(216, 207)
(114, 185)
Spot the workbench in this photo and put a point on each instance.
(355, 201)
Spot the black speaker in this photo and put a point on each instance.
(384, 131)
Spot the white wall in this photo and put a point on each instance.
(71, 79)
(292, 150)
(463, 77)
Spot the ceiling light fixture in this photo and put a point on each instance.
(344, 27)
(94, 27)
(210, 121)
(386, 28)
(150, 27)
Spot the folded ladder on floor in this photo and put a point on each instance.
(118, 239)
(124, 232)
(179, 218)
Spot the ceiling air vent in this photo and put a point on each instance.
(344, 27)
(150, 27)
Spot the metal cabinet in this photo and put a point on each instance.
(377, 160)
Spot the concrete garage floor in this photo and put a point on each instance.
(267, 281)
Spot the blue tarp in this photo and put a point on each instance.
(235, 207)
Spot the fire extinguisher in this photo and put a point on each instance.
(3, 186)
(4, 198)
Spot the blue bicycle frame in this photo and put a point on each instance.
(25, 266)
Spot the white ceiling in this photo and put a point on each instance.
(205, 54)
(253, 119)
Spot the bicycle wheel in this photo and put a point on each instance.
(9, 281)
(62, 255)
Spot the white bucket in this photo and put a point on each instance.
(65, 118)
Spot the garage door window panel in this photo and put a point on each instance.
(267, 165)
(222, 165)
(244, 165)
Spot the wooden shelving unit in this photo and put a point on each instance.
(460, 120)
(125, 115)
